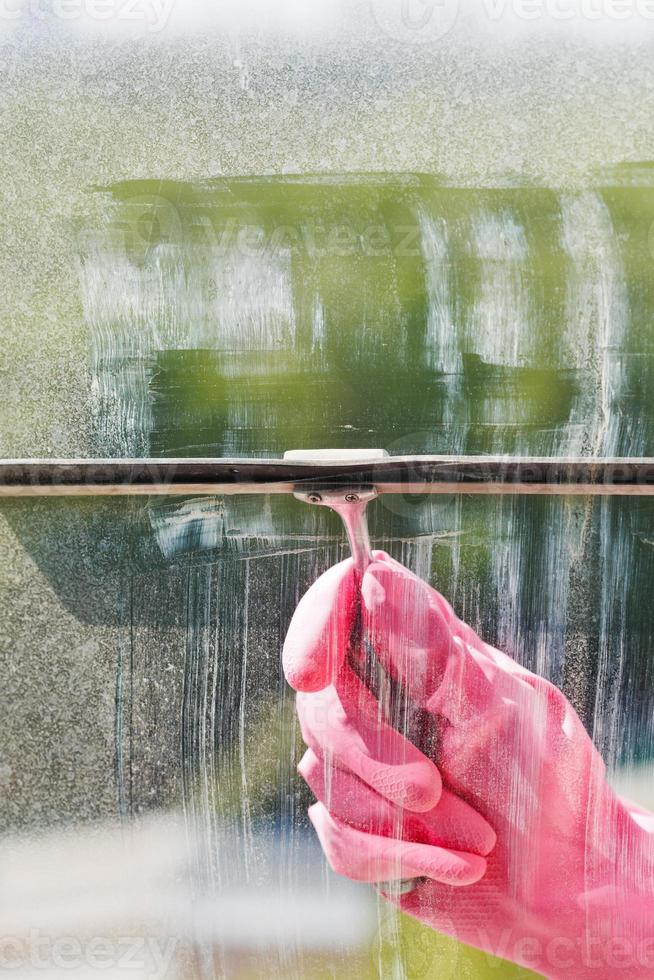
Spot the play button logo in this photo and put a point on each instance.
(415, 21)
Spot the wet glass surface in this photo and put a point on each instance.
(166, 701)
(250, 316)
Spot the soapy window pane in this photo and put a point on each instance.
(468, 270)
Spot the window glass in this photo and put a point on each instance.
(231, 235)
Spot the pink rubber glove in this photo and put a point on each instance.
(520, 846)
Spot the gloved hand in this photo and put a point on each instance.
(518, 844)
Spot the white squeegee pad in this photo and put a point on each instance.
(334, 455)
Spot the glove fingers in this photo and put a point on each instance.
(456, 625)
(368, 857)
(410, 635)
(339, 727)
(422, 646)
(317, 639)
(452, 823)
